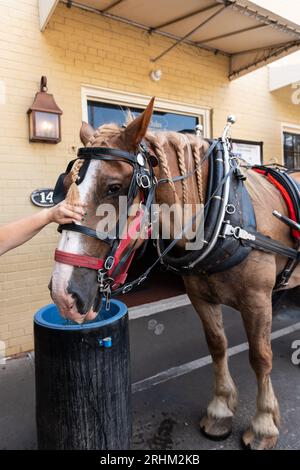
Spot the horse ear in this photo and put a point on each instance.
(136, 130)
(86, 132)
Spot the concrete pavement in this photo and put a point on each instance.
(172, 382)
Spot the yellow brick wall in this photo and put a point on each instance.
(80, 47)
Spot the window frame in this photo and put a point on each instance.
(289, 128)
(111, 96)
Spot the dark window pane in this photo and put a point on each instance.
(103, 113)
(291, 144)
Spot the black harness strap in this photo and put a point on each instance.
(87, 231)
(268, 244)
(259, 241)
(108, 152)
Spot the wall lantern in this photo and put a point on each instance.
(44, 117)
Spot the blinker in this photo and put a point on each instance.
(153, 160)
(60, 192)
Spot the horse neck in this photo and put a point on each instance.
(178, 160)
(175, 161)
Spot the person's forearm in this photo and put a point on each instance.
(18, 232)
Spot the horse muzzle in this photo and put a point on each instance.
(76, 295)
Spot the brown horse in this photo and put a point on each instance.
(246, 287)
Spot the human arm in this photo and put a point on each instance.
(20, 231)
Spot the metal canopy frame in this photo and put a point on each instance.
(183, 17)
(143, 27)
(186, 36)
(265, 54)
(232, 33)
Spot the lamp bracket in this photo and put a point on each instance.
(43, 86)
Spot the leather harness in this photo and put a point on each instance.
(229, 220)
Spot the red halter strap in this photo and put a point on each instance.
(82, 261)
(90, 262)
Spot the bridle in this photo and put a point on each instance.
(112, 270)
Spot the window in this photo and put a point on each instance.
(101, 113)
(291, 146)
(101, 105)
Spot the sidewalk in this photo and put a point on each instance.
(166, 410)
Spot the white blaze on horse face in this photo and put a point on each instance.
(71, 242)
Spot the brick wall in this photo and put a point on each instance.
(78, 48)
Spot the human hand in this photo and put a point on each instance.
(65, 213)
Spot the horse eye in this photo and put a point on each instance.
(113, 189)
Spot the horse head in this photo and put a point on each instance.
(106, 172)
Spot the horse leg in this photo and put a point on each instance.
(217, 423)
(257, 317)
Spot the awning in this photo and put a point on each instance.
(248, 34)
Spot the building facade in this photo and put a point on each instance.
(92, 61)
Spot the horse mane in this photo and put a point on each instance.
(103, 133)
(192, 145)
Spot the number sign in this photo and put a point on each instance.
(42, 197)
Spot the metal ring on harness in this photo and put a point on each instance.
(230, 209)
(109, 262)
(143, 181)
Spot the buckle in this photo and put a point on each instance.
(104, 281)
(100, 276)
(143, 181)
(236, 232)
(109, 262)
(141, 279)
(243, 234)
(127, 288)
(107, 295)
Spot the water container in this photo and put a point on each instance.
(83, 380)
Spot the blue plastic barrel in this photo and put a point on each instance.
(83, 380)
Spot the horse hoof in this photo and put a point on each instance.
(250, 441)
(216, 429)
